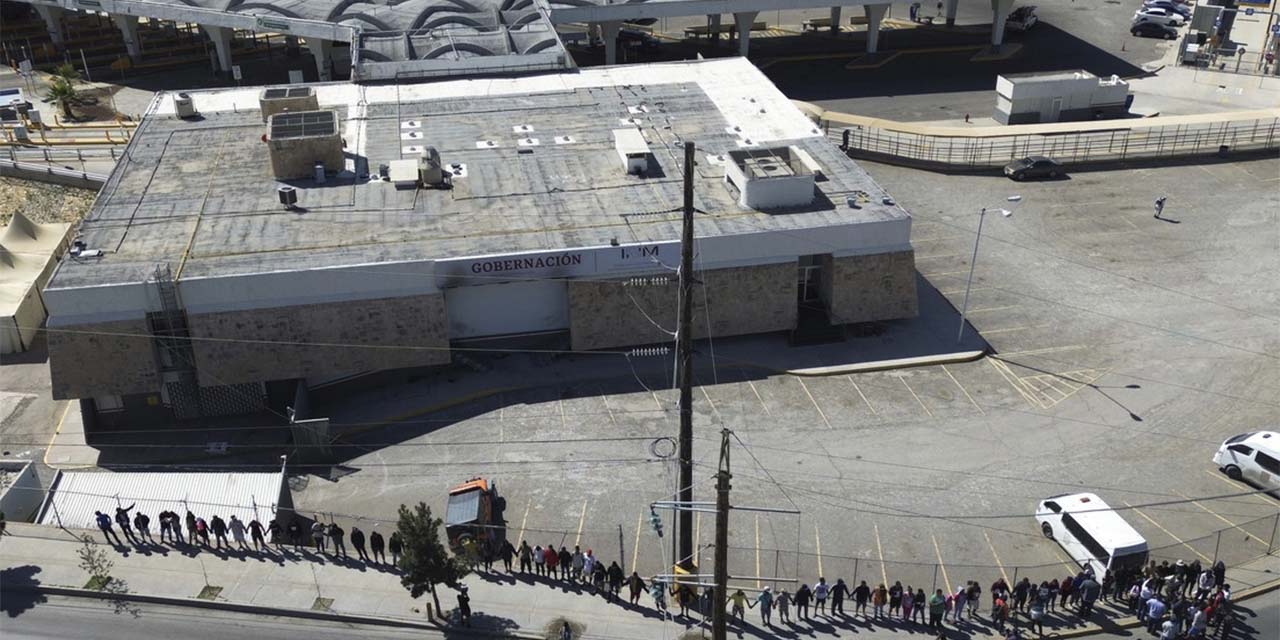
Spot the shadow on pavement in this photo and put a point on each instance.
(18, 584)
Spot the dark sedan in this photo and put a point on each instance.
(1033, 167)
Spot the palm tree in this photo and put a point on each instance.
(66, 71)
(64, 93)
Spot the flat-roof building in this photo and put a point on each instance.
(525, 219)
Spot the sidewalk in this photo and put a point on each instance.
(36, 556)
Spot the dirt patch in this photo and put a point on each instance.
(43, 202)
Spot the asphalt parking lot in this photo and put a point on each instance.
(1126, 349)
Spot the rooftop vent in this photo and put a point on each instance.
(297, 141)
(771, 178)
(632, 149)
(273, 101)
(184, 107)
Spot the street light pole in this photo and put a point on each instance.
(973, 262)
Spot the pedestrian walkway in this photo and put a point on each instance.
(35, 556)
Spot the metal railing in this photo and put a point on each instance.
(1129, 139)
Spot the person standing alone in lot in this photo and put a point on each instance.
(1160, 206)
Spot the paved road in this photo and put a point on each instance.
(88, 619)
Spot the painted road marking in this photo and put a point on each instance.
(1010, 329)
(913, 395)
(1247, 534)
(997, 557)
(1071, 566)
(564, 424)
(944, 273)
(884, 574)
(758, 552)
(817, 543)
(815, 403)
(635, 548)
(1261, 498)
(582, 519)
(762, 404)
(937, 551)
(1013, 380)
(524, 520)
(959, 291)
(1168, 533)
(965, 391)
(1031, 352)
(607, 408)
(709, 402)
(657, 401)
(862, 395)
(989, 309)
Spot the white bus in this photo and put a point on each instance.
(1091, 533)
(1253, 457)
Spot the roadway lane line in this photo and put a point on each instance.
(582, 519)
(815, 403)
(1169, 533)
(884, 574)
(937, 551)
(913, 395)
(965, 391)
(635, 548)
(995, 555)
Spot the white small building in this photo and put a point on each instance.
(1059, 96)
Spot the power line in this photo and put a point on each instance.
(369, 445)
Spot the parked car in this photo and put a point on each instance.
(1154, 30)
(1168, 5)
(1033, 167)
(1161, 16)
(1021, 19)
(637, 38)
(1253, 457)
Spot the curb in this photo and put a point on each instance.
(884, 365)
(326, 616)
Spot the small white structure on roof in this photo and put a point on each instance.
(773, 178)
(28, 253)
(632, 150)
(76, 495)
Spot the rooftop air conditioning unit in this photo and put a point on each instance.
(430, 172)
(184, 107)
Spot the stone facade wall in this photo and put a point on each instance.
(385, 323)
(743, 300)
(867, 288)
(118, 360)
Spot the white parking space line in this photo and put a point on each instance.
(884, 574)
(913, 395)
(938, 551)
(997, 557)
(1168, 532)
(862, 395)
(758, 551)
(635, 547)
(758, 397)
(525, 519)
(582, 519)
(608, 409)
(709, 402)
(817, 541)
(1261, 498)
(962, 389)
(815, 403)
(993, 309)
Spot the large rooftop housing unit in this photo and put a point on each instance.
(522, 219)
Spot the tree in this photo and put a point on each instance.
(425, 562)
(64, 93)
(66, 71)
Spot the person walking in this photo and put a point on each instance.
(396, 546)
(879, 598)
(506, 552)
(464, 607)
(377, 545)
(802, 598)
(294, 529)
(635, 584)
(861, 594)
(357, 543)
(820, 593)
(1160, 206)
(784, 606)
(937, 606)
(588, 566)
(336, 534)
(615, 578)
(219, 528)
(142, 522)
(838, 594)
(765, 600)
(738, 607)
(255, 534)
(237, 532)
(999, 590)
(104, 523)
(1053, 594)
(317, 534)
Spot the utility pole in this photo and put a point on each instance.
(682, 550)
(722, 541)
